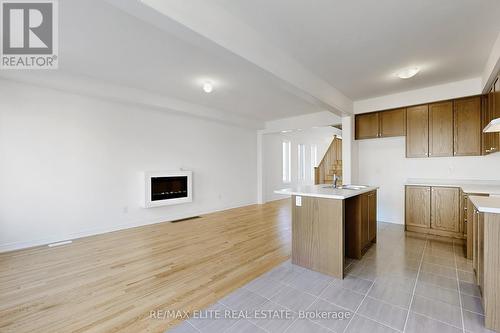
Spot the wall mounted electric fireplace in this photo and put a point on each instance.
(167, 188)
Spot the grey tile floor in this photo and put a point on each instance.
(402, 284)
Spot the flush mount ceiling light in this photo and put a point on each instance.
(208, 87)
(407, 72)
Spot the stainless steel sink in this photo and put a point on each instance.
(354, 187)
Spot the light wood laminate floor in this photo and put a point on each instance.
(112, 282)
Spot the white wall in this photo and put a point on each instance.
(349, 151)
(69, 165)
(382, 162)
(272, 157)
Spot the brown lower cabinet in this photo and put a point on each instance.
(478, 247)
(418, 207)
(445, 209)
(468, 211)
(360, 224)
(433, 210)
(486, 264)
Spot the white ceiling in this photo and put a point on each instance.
(358, 45)
(101, 42)
(323, 48)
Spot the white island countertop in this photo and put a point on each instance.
(486, 204)
(468, 186)
(325, 191)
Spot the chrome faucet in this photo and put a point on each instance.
(335, 179)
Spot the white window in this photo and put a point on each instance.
(287, 162)
(314, 159)
(301, 155)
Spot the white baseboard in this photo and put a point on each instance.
(7, 247)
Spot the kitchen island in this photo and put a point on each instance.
(330, 223)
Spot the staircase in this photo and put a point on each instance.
(331, 164)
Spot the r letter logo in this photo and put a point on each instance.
(29, 34)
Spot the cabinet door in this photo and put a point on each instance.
(367, 126)
(495, 113)
(441, 129)
(445, 212)
(467, 120)
(475, 248)
(486, 116)
(470, 228)
(496, 99)
(372, 216)
(480, 252)
(392, 123)
(418, 206)
(417, 131)
(365, 240)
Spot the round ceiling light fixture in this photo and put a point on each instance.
(408, 72)
(208, 87)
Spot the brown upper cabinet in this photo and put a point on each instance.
(467, 131)
(367, 126)
(441, 129)
(445, 128)
(417, 131)
(381, 124)
(486, 114)
(392, 123)
(491, 110)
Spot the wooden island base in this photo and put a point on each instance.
(325, 230)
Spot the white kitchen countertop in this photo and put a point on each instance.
(324, 191)
(486, 204)
(468, 186)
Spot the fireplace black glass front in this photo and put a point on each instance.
(164, 188)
